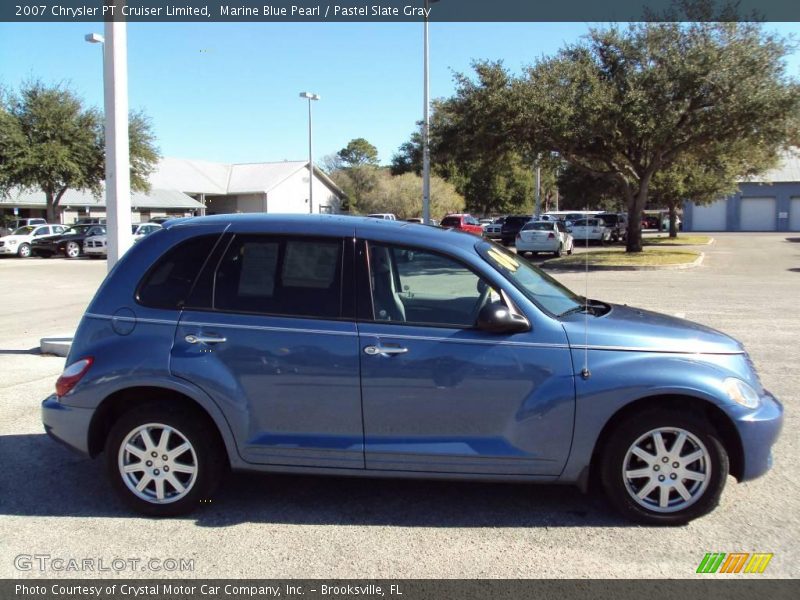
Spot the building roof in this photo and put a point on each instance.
(787, 171)
(212, 178)
(155, 198)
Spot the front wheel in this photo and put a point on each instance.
(664, 467)
(163, 461)
(73, 250)
(24, 251)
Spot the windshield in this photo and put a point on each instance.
(537, 285)
(450, 221)
(24, 230)
(78, 230)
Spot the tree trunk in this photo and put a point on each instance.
(636, 204)
(673, 221)
(51, 207)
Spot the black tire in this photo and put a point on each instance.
(206, 453)
(24, 251)
(558, 252)
(635, 431)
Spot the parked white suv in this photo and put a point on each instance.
(19, 241)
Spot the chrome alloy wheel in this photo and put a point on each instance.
(666, 470)
(157, 463)
(73, 250)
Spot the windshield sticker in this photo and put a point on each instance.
(504, 261)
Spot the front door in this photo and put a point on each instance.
(440, 395)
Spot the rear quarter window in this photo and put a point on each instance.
(168, 283)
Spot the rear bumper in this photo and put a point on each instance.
(543, 246)
(67, 424)
(758, 431)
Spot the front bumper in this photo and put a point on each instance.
(67, 424)
(9, 249)
(758, 431)
(98, 250)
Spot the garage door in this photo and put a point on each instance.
(711, 217)
(794, 215)
(758, 214)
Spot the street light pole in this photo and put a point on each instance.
(426, 152)
(309, 96)
(118, 177)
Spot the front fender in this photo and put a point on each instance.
(619, 378)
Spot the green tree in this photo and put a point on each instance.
(400, 195)
(630, 103)
(358, 152)
(473, 143)
(50, 141)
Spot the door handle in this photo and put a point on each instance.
(204, 339)
(385, 350)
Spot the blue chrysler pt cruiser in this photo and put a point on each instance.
(353, 346)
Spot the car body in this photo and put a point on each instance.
(462, 222)
(95, 246)
(591, 229)
(493, 231)
(69, 243)
(544, 236)
(18, 242)
(315, 344)
(511, 227)
(617, 224)
(17, 223)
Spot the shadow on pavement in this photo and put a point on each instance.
(49, 480)
(32, 351)
(796, 240)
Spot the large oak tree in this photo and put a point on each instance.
(628, 103)
(50, 141)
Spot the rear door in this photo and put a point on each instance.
(269, 334)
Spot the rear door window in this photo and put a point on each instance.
(281, 276)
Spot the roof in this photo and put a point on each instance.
(338, 225)
(788, 171)
(155, 198)
(212, 178)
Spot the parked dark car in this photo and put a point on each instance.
(511, 227)
(617, 224)
(309, 344)
(69, 243)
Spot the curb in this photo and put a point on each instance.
(710, 241)
(675, 267)
(56, 345)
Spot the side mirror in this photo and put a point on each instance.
(496, 318)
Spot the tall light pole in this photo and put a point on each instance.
(309, 96)
(118, 177)
(426, 124)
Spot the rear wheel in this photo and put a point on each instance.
(163, 461)
(559, 251)
(24, 251)
(664, 467)
(72, 250)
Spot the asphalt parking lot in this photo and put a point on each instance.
(55, 503)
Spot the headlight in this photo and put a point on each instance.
(12, 242)
(740, 392)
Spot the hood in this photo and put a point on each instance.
(628, 328)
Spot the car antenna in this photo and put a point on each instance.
(585, 373)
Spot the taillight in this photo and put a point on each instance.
(72, 375)
(552, 236)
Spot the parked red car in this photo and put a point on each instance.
(464, 222)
